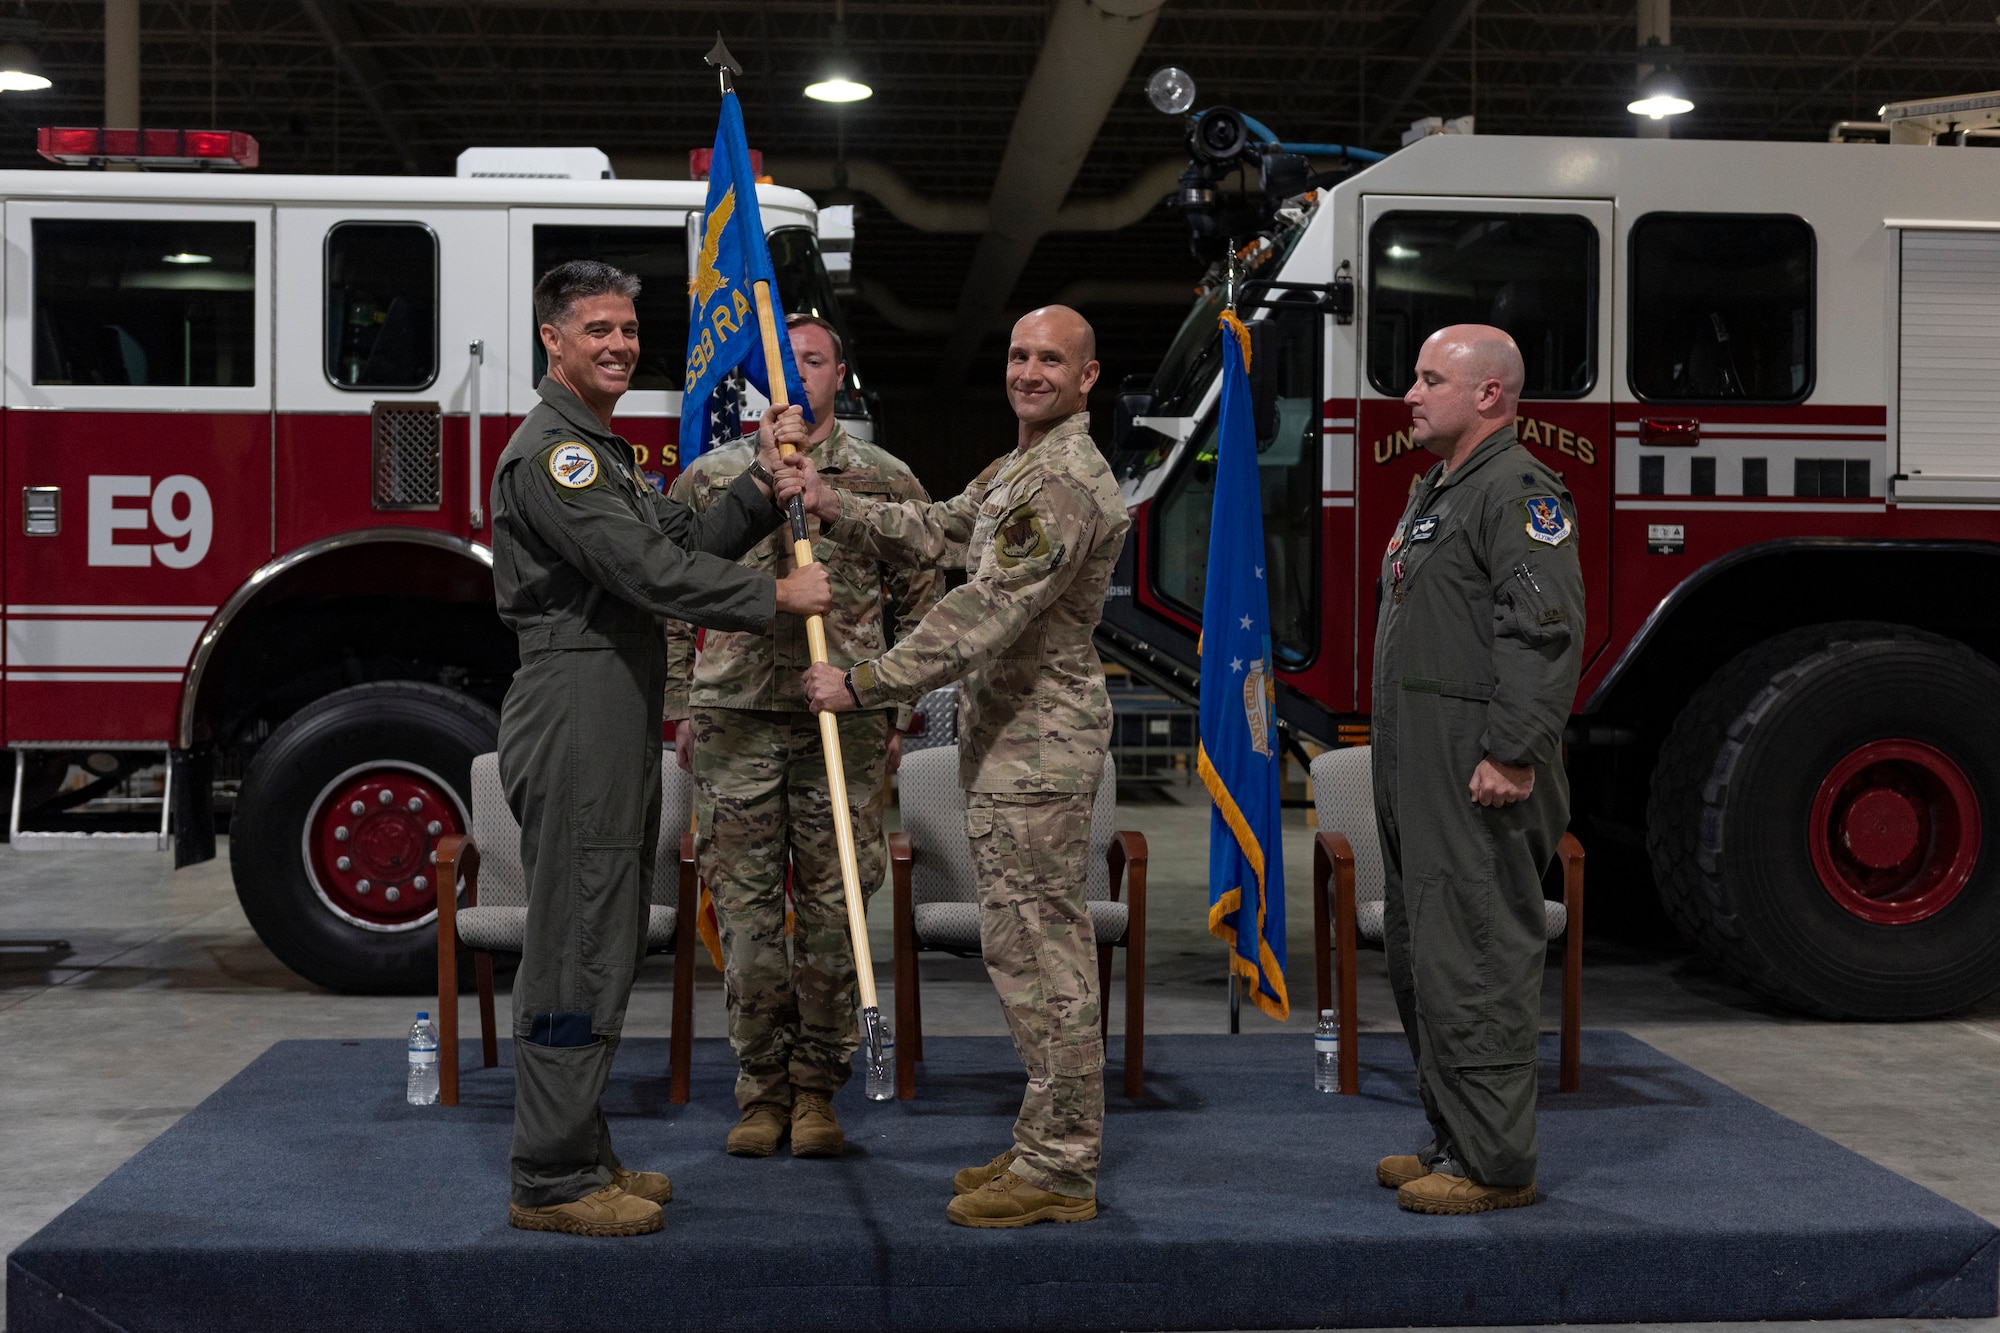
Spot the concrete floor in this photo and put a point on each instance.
(164, 993)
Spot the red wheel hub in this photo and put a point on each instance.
(1895, 831)
(369, 844)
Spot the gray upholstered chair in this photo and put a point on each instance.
(936, 901)
(494, 916)
(1347, 904)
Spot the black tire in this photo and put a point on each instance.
(405, 722)
(1728, 822)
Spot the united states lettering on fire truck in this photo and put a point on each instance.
(251, 421)
(1766, 372)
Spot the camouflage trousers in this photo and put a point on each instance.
(1029, 855)
(760, 794)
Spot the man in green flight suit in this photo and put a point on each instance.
(1038, 533)
(1478, 641)
(587, 559)
(761, 787)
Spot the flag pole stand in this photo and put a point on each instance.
(829, 732)
(1235, 1003)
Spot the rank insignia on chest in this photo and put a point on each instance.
(573, 465)
(1547, 522)
(1423, 529)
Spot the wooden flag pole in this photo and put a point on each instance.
(829, 724)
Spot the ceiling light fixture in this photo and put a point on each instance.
(20, 72)
(1661, 93)
(839, 82)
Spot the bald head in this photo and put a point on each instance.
(1468, 386)
(1051, 364)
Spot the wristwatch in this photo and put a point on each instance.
(850, 688)
(758, 472)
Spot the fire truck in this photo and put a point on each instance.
(251, 422)
(1769, 373)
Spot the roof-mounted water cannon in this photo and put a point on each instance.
(1223, 142)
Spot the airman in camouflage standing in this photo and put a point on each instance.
(760, 779)
(1478, 640)
(1038, 533)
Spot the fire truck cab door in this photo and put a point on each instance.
(1542, 270)
(649, 243)
(137, 406)
(376, 376)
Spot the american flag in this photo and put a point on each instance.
(725, 412)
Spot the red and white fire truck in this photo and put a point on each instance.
(251, 422)
(1770, 375)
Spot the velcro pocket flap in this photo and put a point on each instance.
(1450, 689)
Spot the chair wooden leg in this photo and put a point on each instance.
(1344, 935)
(449, 863)
(1570, 1078)
(1135, 966)
(680, 1048)
(909, 1020)
(1322, 881)
(1104, 952)
(489, 1039)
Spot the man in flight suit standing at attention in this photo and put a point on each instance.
(587, 559)
(1478, 640)
(1038, 533)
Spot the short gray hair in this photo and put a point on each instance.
(564, 285)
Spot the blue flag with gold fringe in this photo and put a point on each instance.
(723, 328)
(1239, 755)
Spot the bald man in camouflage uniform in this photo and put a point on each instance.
(1478, 642)
(1038, 532)
(761, 785)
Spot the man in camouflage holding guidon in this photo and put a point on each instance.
(1038, 533)
(760, 779)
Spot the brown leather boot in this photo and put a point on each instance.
(1009, 1200)
(972, 1177)
(1398, 1171)
(643, 1184)
(608, 1212)
(758, 1132)
(815, 1132)
(1442, 1192)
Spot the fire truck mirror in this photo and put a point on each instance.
(1264, 379)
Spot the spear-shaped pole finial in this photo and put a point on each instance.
(724, 63)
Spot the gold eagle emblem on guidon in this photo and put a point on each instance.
(707, 279)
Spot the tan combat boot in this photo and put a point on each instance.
(1009, 1200)
(1398, 1171)
(650, 1185)
(1442, 1192)
(758, 1132)
(973, 1177)
(815, 1133)
(608, 1212)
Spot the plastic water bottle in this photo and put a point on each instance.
(423, 1084)
(881, 1086)
(1326, 1054)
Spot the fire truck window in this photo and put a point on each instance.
(658, 257)
(381, 305)
(1288, 455)
(805, 289)
(1532, 274)
(1722, 308)
(145, 302)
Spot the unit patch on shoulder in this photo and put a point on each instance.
(1021, 537)
(1547, 522)
(573, 465)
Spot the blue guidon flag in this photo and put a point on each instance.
(723, 332)
(1239, 755)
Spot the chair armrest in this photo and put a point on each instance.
(1329, 850)
(458, 860)
(1126, 853)
(899, 848)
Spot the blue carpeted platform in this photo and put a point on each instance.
(306, 1195)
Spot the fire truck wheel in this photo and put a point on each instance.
(331, 839)
(1821, 817)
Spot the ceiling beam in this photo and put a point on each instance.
(371, 82)
(1426, 45)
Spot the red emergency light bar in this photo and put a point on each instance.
(699, 159)
(226, 149)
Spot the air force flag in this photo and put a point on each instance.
(1239, 754)
(723, 332)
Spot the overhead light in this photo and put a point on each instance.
(1401, 252)
(20, 72)
(1660, 96)
(1170, 90)
(185, 258)
(839, 88)
(840, 84)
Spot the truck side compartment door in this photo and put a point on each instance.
(137, 399)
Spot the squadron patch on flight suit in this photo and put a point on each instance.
(1021, 537)
(573, 465)
(1547, 522)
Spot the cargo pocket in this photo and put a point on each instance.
(1076, 1055)
(1522, 611)
(978, 821)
